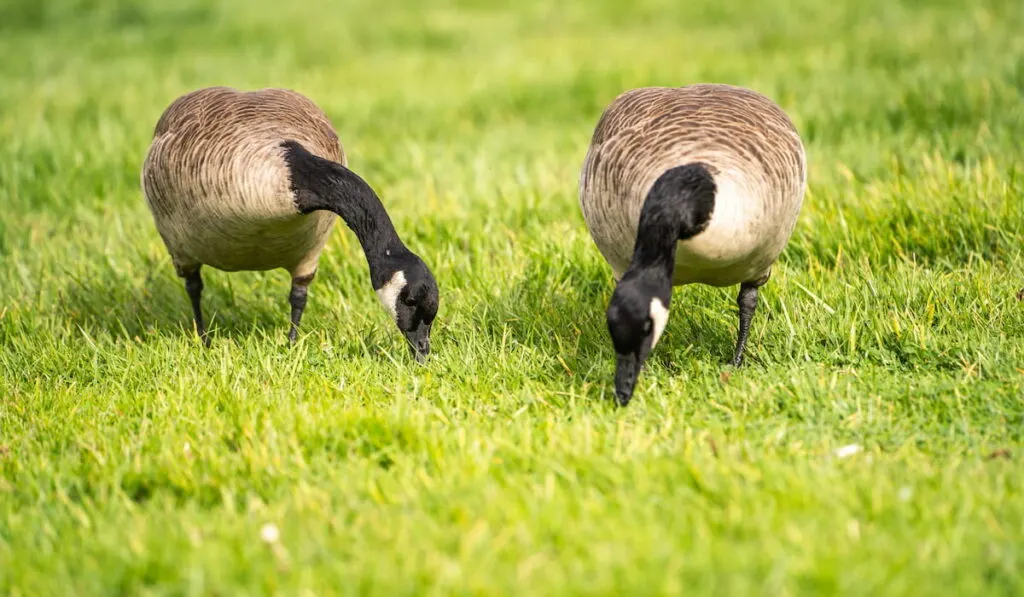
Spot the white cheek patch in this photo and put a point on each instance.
(388, 293)
(659, 315)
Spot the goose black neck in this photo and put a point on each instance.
(320, 184)
(678, 207)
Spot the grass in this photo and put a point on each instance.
(132, 461)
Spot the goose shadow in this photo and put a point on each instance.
(235, 305)
(127, 308)
(559, 309)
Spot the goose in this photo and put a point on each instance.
(253, 181)
(682, 185)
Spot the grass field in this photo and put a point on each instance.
(133, 461)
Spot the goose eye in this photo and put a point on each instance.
(647, 326)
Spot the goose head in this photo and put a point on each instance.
(636, 316)
(678, 207)
(409, 294)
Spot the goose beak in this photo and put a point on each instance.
(627, 369)
(419, 342)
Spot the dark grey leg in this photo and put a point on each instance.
(297, 299)
(747, 302)
(194, 287)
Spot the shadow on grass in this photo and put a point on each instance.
(558, 308)
(123, 308)
(235, 305)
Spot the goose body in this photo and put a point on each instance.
(218, 185)
(254, 181)
(696, 184)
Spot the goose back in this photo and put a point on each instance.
(746, 141)
(217, 184)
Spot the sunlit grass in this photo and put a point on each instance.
(871, 445)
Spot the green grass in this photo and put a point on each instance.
(132, 461)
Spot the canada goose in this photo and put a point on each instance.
(253, 181)
(696, 184)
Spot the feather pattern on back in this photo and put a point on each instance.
(746, 141)
(218, 186)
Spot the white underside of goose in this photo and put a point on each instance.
(738, 245)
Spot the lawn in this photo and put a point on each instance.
(873, 444)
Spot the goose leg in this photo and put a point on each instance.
(194, 287)
(747, 302)
(297, 299)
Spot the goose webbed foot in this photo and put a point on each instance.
(747, 302)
